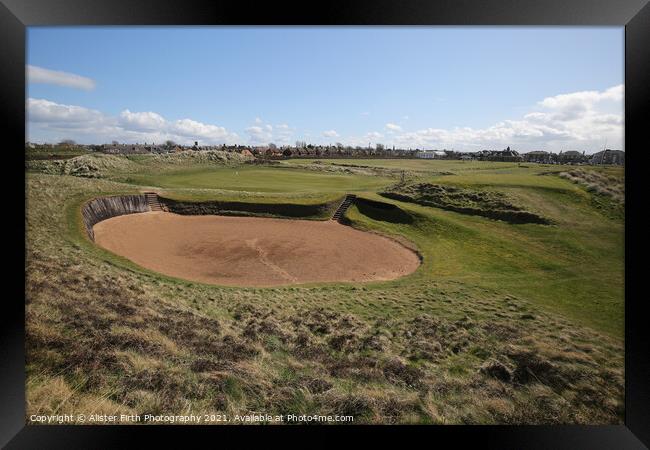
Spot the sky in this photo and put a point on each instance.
(461, 88)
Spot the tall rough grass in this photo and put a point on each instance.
(598, 183)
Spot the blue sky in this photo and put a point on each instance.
(429, 87)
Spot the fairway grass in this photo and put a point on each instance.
(454, 342)
(256, 179)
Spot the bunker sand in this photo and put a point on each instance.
(260, 252)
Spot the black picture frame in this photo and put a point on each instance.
(16, 15)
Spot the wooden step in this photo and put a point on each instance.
(152, 201)
(343, 207)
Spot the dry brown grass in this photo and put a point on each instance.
(598, 183)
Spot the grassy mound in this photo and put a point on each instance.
(98, 165)
(87, 166)
(201, 157)
(598, 182)
(607, 191)
(352, 169)
(494, 205)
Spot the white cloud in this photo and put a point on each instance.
(36, 74)
(258, 135)
(330, 134)
(191, 129)
(580, 120)
(582, 99)
(54, 121)
(44, 111)
(372, 137)
(283, 134)
(262, 134)
(142, 121)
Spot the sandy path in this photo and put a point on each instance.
(246, 251)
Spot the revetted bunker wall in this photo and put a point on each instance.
(223, 208)
(104, 208)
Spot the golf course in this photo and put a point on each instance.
(513, 313)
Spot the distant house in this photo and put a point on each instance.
(506, 155)
(571, 157)
(246, 152)
(272, 153)
(538, 156)
(125, 149)
(430, 154)
(608, 156)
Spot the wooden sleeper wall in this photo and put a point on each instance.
(104, 208)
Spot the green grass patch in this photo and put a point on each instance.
(256, 179)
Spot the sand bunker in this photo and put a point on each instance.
(247, 251)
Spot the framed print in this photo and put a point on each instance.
(370, 217)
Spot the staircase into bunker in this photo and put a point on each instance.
(152, 201)
(345, 204)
